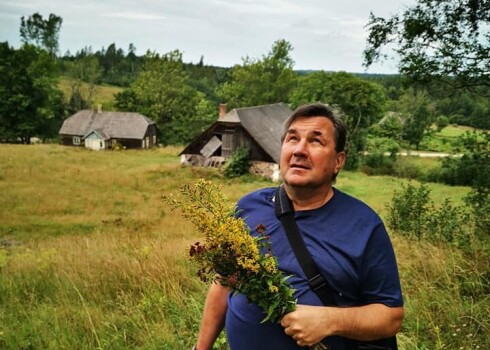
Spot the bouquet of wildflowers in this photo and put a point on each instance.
(230, 255)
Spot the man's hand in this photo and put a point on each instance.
(307, 325)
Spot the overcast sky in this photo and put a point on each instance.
(325, 34)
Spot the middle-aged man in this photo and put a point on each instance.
(346, 239)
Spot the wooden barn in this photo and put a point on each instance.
(257, 128)
(102, 130)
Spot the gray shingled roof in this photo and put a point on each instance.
(264, 123)
(123, 125)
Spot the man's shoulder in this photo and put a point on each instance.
(353, 203)
(260, 195)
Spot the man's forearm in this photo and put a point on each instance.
(367, 322)
(309, 324)
(213, 317)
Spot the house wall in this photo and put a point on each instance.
(232, 138)
(129, 143)
(96, 144)
(150, 139)
(69, 140)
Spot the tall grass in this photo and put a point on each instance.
(91, 258)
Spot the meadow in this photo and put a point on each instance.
(102, 94)
(91, 257)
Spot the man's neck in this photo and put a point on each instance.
(309, 198)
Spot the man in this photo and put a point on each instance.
(345, 238)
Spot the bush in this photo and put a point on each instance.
(377, 164)
(412, 213)
(238, 164)
(478, 201)
(441, 122)
(473, 168)
(407, 210)
(406, 170)
(448, 223)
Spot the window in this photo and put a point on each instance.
(76, 140)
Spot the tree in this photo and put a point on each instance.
(162, 93)
(361, 103)
(131, 57)
(418, 117)
(41, 32)
(445, 40)
(472, 169)
(441, 122)
(31, 105)
(258, 82)
(86, 70)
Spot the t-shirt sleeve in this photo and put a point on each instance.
(380, 282)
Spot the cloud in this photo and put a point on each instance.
(133, 16)
(325, 34)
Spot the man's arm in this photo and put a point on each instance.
(213, 317)
(308, 325)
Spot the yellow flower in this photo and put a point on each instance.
(230, 254)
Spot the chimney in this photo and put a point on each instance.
(222, 110)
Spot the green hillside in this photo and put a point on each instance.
(102, 94)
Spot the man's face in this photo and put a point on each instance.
(308, 156)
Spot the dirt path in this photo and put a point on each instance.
(425, 154)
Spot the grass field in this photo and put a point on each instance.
(91, 258)
(103, 94)
(446, 140)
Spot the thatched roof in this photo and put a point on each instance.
(122, 125)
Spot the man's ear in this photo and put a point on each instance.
(340, 161)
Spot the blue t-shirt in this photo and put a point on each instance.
(349, 244)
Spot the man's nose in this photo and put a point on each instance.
(300, 149)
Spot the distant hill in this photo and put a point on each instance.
(103, 94)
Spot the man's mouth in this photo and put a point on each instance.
(299, 166)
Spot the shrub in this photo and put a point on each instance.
(473, 168)
(408, 210)
(448, 223)
(377, 164)
(238, 164)
(412, 213)
(478, 201)
(441, 122)
(406, 170)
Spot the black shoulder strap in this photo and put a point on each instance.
(285, 213)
